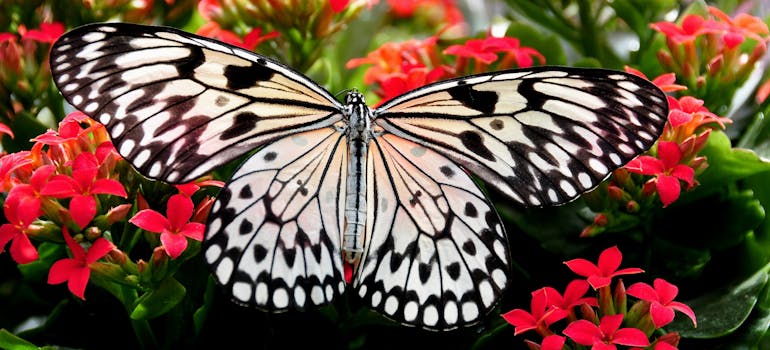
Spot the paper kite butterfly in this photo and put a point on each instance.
(387, 189)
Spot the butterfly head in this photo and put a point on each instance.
(354, 97)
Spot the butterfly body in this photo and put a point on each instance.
(387, 188)
(359, 131)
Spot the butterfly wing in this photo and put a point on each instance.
(178, 105)
(273, 236)
(542, 135)
(435, 252)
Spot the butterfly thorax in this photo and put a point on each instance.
(357, 116)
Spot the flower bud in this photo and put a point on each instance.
(588, 313)
(92, 233)
(621, 300)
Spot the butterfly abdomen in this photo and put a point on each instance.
(358, 117)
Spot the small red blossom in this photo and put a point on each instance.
(606, 335)
(338, 5)
(399, 83)
(448, 10)
(687, 116)
(551, 342)
(249, 42)
(666, 82)
(601, 275)
(692, 27)
(486, 51)
(48, 32)
(666, 169)
(661, 299)
(20, 215)
(76, 270)
(81, 188)
(175, 228)
(735, 31)
(574, 295)
(542, 316)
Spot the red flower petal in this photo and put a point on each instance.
(98, 249)
(193, 230)
(669, 153)
(645, 165)
(642, 291)
(22, 251)
(82, 209)
(150, 220)
(666, 291)
(583, 332)
(7, 233)
(61, 270)
(609, 260)
(661, 315)
(553, 342)
(684, 173)
(78, 280)
(630, 337)
(609, 324)
(521, 320)
(685, 310)
(174, 244)
(668, 189)
(78, 253)
(582, 267)
(60, 186)
(180, 210)
(109, 186)
(338, 5)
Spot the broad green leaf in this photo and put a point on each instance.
(158, 301)
(722, 311)
(10, 341)
(727, 164)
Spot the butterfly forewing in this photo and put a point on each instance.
(435, 253)
(542, 136)
(179, 105)
(273, 237)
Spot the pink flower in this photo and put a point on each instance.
(661, 298)
(606, 335)
(76, 270)
(20, 214)
(601, 275)
(175, 229)
(667, 171)
(542, 316)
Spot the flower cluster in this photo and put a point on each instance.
(71, 184)
(401, 67)
(596, 321)
(713, 52)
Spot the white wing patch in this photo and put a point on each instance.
(273, 237)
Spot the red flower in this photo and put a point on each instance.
(661, 298)
(20, 214)
(667, 171)
(573, 296)
(606, 335)
(76, 270)
(486, 50)
(665, 82)
(687, 115)
(249, 42)
(399, 83)
(82, 187)
(551, 342)
(542, 316)
(601, 276)
(48, 32)
(735, 31)
(692, 27)
(174, 229)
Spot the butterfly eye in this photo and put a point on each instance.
(391, 188)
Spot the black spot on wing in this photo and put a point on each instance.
(482, 101)
(244, 123)
(239, 77)
(473, 141)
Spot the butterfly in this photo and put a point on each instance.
(387, 190)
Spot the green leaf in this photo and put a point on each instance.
(10, 341)
(723, 311)
(158, 301)
(727, 164)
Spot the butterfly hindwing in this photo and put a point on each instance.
(178, 105)
(273, 236)
(542, 135)
(435, 252)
